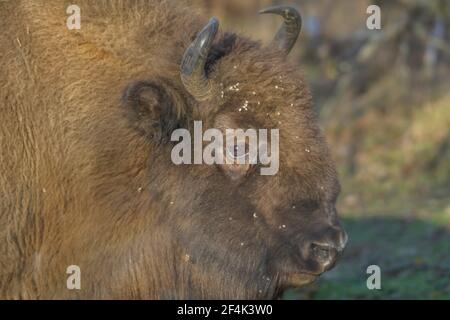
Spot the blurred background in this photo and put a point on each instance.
(383, 99)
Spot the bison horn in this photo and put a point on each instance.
(193, 74)
(288, 33)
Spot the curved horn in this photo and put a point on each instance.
(192, 70)
(288, 33)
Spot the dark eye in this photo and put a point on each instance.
(237, 151)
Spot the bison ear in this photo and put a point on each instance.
(152, 109)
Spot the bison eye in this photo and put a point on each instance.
(238, 151)
(238, 163)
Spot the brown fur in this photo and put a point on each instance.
(85, 181)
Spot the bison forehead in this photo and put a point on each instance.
(260, 84)
(259, 89)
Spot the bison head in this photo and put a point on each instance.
(222, 231)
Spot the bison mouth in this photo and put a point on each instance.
(296, 271)
(292, 281)
(300, 279)
(296, 279)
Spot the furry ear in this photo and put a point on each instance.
(153, 109)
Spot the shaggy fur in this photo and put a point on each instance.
(85, 170)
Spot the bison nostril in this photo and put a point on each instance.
(324, 253)
(322, 250)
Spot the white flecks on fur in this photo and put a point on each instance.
(234, 87)
(244, 107)
(139, 189)
(255, 215)
(307, 150)
(186, 258)
(222, 94)
(230, 219)
(278, 113)
(242, 244)
(171, 202)
(44, 190)
(293, 207)
(265, 278)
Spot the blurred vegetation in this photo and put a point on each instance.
(384, 102)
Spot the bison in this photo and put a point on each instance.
(86, 176)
